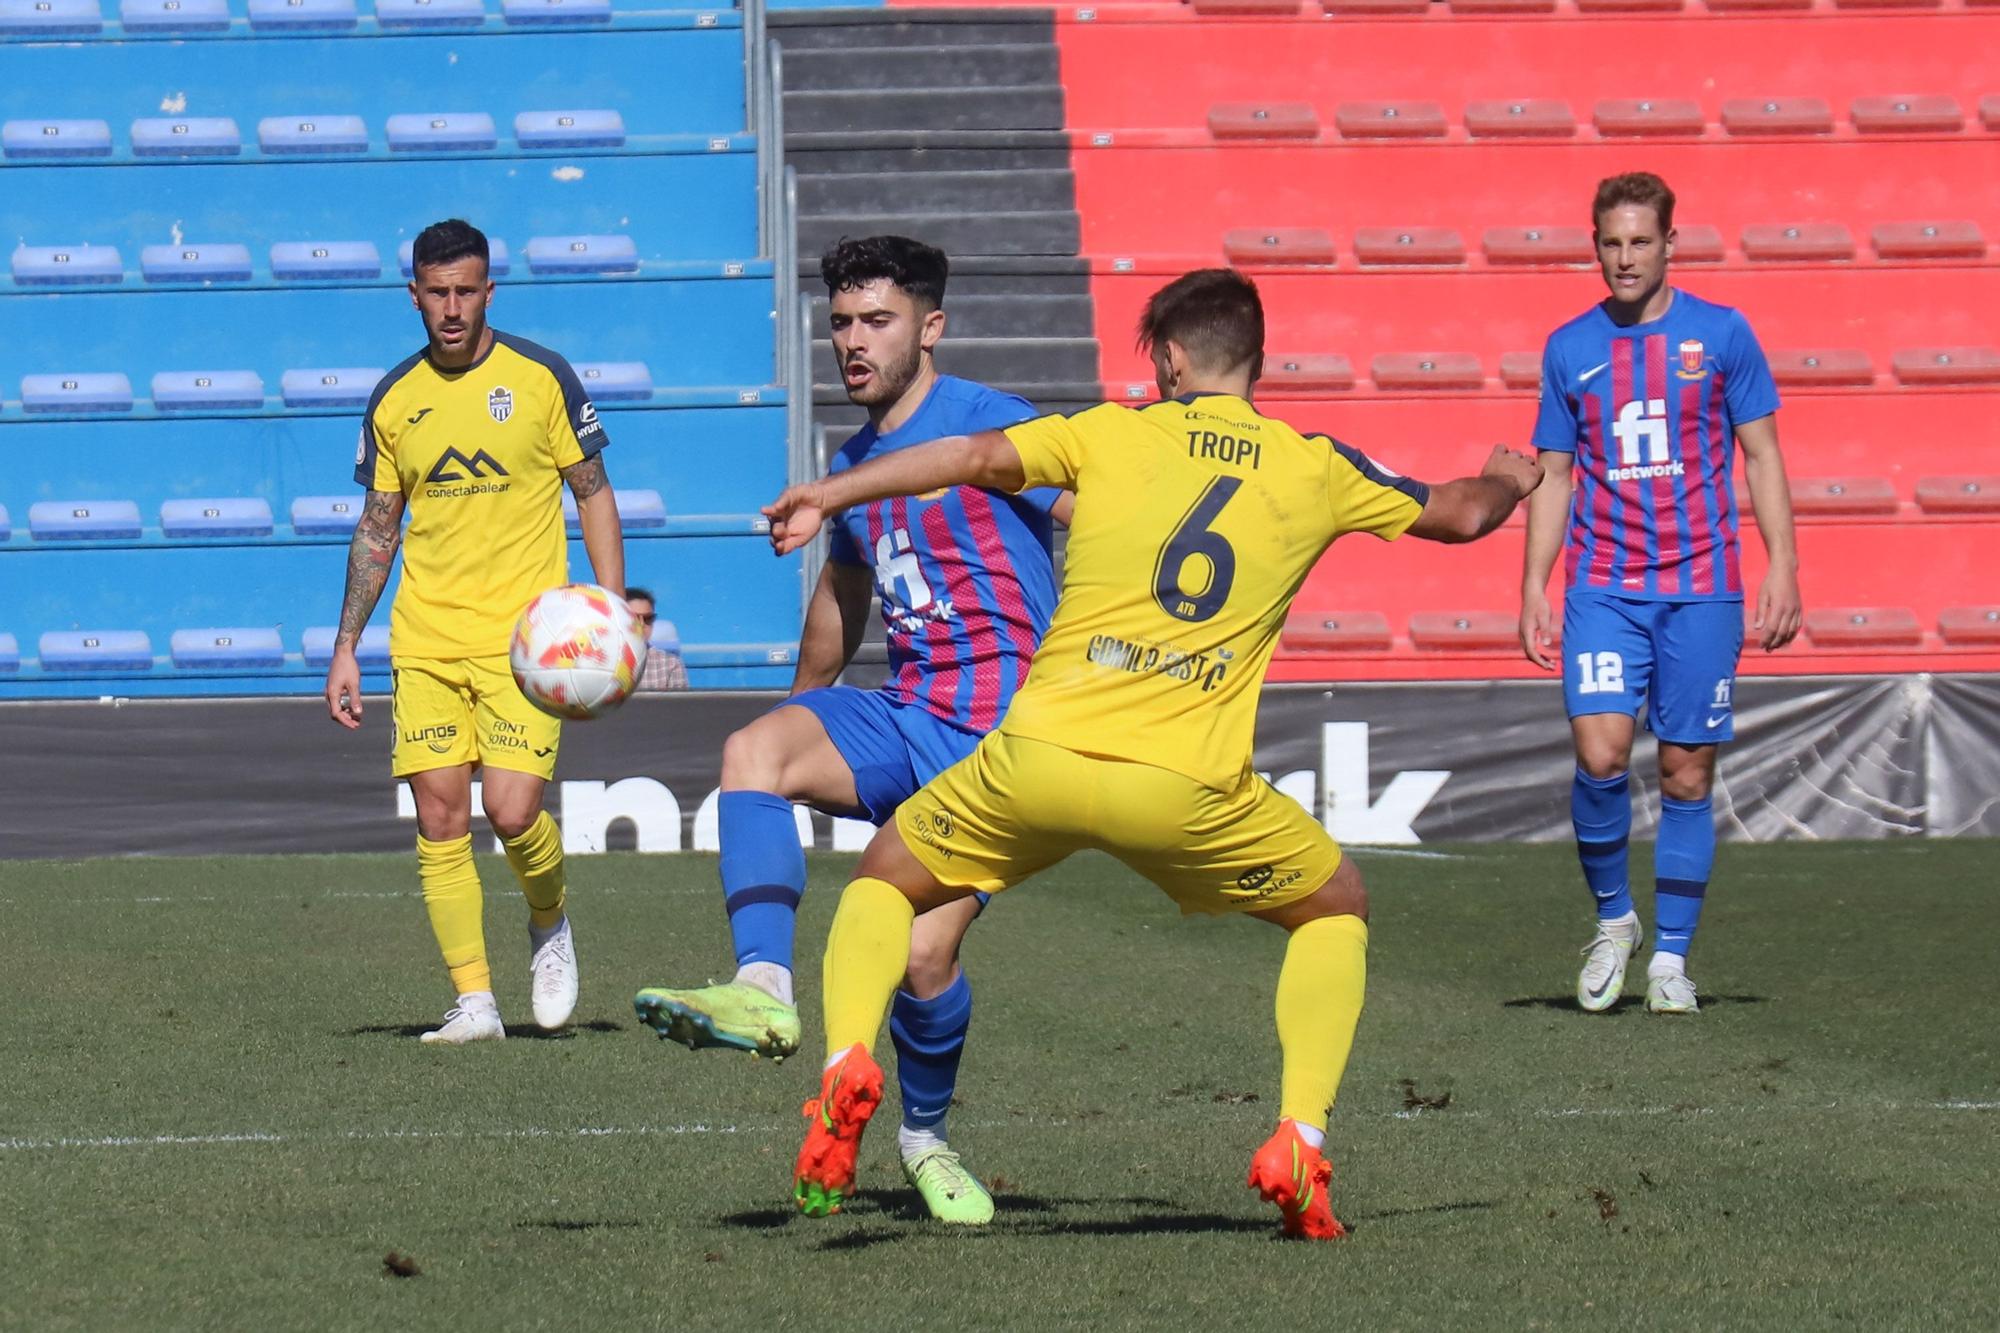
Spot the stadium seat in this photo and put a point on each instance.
(1989, 112)
(1777, 115)
(1959, 495)
(1794, 243)
(1932, 114)
(1253, 246)
(242, 516)
(1948, 365)
(1465, 632)
(226, 649)
(96, 650)
(1427, 370)
(1826, 497)
(460, 132)
(1529, 117)
(371, 652)
(1359, 7)
(67, 265)
(1864, 627)
(174, 15)
(1307, 373)
(1502, 6)
(6, 525)
(1521, 370)
(1623, 117)
(325, 515)
(1408, 245)
(1390, 120)
(1538, 245)
(303, 15)
(1756, 6)
(569, 129)
(547, 12)
(1698, 243)
(312, 135)
(1929, 240)
(616, 381)
(1821, 367)
(1335, 632)
(665, 636)
(10, 654)
(98, 392)
(50, 18)
(1263, 120)
(582, 254)
(1628, 6)
(195, 390)
(637, 508)
(201, 136)
(430, 13)
(498, 259)
(55, 138)
(83, 520)
(346, 386)
(1970, 626)
(325, 260)
(195, 263)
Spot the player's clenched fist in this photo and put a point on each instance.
(343, 689)
(796, 516)
(1523, 470)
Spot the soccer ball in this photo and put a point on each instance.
(577, 651)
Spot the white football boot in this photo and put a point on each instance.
(553, 965)
(1602, 979)
(474, 1018)
(1668, 991)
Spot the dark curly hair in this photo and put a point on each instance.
(447, 242)
(919, 270)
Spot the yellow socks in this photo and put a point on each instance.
(451, 896)
(537, 858)
(1319, 1004)
(867, 952)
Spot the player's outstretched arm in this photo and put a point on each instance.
(1467, 509)
(987, 459)
(369, 555)
(597, 513)
(836, 618)
(1548, 512)
(1779, 609)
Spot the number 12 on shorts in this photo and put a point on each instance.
(1600, 673)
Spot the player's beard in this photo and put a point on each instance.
(891, 379)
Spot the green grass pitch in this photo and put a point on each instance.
(215, 1112)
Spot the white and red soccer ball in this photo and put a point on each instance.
(577, 651)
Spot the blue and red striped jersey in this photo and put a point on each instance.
(1651, 412)
(965, 575)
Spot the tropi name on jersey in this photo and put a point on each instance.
(1224, 448)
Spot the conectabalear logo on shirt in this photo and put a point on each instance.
(481, 464)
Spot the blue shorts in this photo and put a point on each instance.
(1679, 658)
(891, 748)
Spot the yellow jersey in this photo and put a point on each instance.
(1197, 519)
(478, 454)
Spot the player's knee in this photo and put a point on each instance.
(933, 965)
(1689, 782)
(440, 818)
(751, 761)
(510, 819)
(1602, 759)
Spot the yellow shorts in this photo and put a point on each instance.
(1015, 806)
(468, 711)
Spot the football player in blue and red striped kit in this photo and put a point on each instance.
(967, 585)
(1645, 397)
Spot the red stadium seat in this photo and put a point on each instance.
(1307, 372)
(1521, 370)
(1390, 120)
(1929, 240)
(1698, 243)
(1738, 6)
(1427, 370)
(1502, 6)
(1800, 242)
(1336, 632)
(1242, 8)
(1624, 116)
(1249, 246)
(1829, 497)
(1948, 365)
(1408, 245)
(1376, 6)
(1821, 366)
(1529, 117)
(1864, 627)
(1924, 114)
(1970, 626)
(1263, 120)
(1887, 4)
(1628, 6)
(1777, 115)
(1465, 632)
(1959, 495)
(1989, 112)
(1539, 245)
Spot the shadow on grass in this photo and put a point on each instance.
(575, 1224)
(525, 1031)
(1625, 1002)
(1422, 1210)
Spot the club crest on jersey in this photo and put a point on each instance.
(1694, 360)
(501, 403)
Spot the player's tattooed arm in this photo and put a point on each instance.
(586, 479)
(597, 514)
(369, 557)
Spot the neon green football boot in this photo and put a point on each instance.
(951, 1192)
(732, 1015)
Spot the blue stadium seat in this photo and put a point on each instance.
(325, 515)
(303, 15)
(193, 390)
(616, 381)
(498, 259)
(582, 254)
(664, 637)
(544, 12)
(312, 134)
(569, 129)
(345, 386)
(97, 392)
(83, 520)
(6, 525)
(223, 649)
(10, 653)
(196, 136)
(325, 259)
(242, 516)
(195, 263)
(445, 132)
(49, 18)
(174, 15)
(96, 650)
(370, 654)
(637, 508)
(430, 13)
(67, 265)
(56, 138)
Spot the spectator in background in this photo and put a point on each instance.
(664, 669)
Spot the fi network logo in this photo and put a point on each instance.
(480, 464)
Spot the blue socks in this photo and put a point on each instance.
(1601, 810)
(930, 1036)
(763, 874)
(1682, 863)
